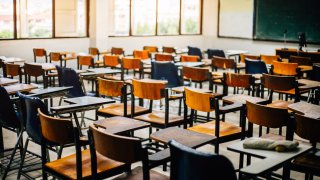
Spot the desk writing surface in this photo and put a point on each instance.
(306, 109)
(49, 92)
(12, 89)
(7, 81)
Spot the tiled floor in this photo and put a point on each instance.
(10, 139)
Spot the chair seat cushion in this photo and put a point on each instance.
(280, 104)
(158, 117)
(117, 109)
(137, 174)
(66, 166)
(209, 128)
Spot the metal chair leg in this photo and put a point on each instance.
(23, 157)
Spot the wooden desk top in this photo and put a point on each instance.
(12, 89)
(271, 159)
(13, 60)
(186, 137)
(7, 81)
(241, 99)
(308, 84)
(100, 71)
(118, 125)
(306, 109)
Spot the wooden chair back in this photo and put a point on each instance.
(119, 148)
(117, 51)
(85, 61)
(195, 73)
(163, 57)
(268, 59)
(144, 54)
(56, 130)
(301, 61)
(151, 49)
(238, 80)
(148, 90)
(93, 51)
(266, 116)
(278, 83)
(223, 63)
(185, 58)
(198, 100)
(13, 69)
(39, 52)
(248, 56)
(111, 60)
(110, 88)
(131, 63)
(55, 56)
(307, 128)
(170, 50)
(284, 68)
(33, 70)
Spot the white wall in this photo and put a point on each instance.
(101, 20)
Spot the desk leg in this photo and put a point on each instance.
(1, 139)
(77, 123)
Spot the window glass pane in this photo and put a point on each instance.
(191, 17)
(35, 18)
(121, 17)
(6, 19)
(143, 17)
(168, 17)
(82, 18)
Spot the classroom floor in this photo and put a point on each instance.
(10, 138)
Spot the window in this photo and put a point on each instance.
(191, 17)
(156, 17)
(35, 18)
(168, 17)
(122, 17)
(144, 17)
(6, 19)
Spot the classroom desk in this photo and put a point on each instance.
(315, 56)
(49, 92)
(306, 109)
(270, 160)
(12, 60)
(7, 81)
(12, 89)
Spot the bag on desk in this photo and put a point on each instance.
(268, 144)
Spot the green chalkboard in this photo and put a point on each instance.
(273, 17)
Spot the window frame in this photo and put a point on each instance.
(156, 28)
(15, 21)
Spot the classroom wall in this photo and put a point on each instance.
(101, 20)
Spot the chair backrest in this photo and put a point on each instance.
(163, 57)
(190, 164)
(111, 60)
(144, 54)
(166, 49)
(93, 51)
(189, 58)
(151, 49)
(278, 83)
(69, 77)
(117, 51)
(148, 90)
(195, 73)
(268, 59)
(194, 51)
(110, 88)
(33, 70)
(266, 116)
(255, 67)
(198, 100)
(39, 52)
(166, 71)
(85, 61)
(307, 128)
(238, 80)
(29, 107)
(56, 130)
(248, 56)
(215, 52)
(13, 69)
(222, 63)
(55, 56)
(8, 116)
(284, 68)
(119, 148)
(131, 63)
(301, 61)
(315, 74)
